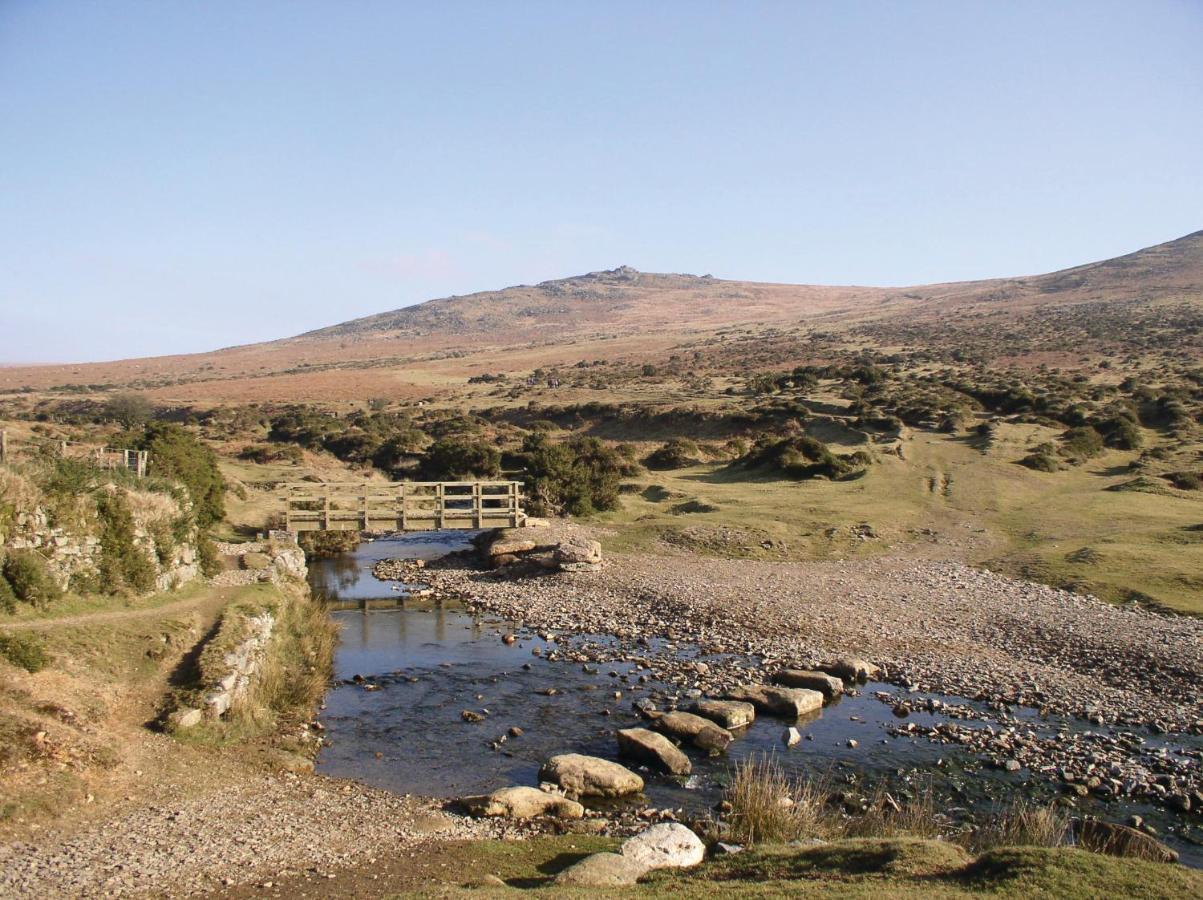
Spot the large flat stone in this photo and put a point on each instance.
(590, 776)
(602, 870)
(727, 713)
(664, 846)
(701, 732)
(791, 703)
(828, 685)
(654, 749)
(522, 803)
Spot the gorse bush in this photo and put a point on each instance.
(30, 579)
(675, 454)
(8, 597)
(178, 455)
(459, 459)
(123, 564)
(24, 650)
(801, 457)
(576, 477)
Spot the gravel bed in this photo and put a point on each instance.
(256, 830)
(932, 626)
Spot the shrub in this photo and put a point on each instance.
(179, 455)
(1042, 459)
(576, 477)
(8, 598)
(1186, 481)
(802, 456)
(123, 564)
(29, 578)
(129, 410)
(675, 454)
(1081, 443)
(24, 650)
(455, 459)
(206, 554)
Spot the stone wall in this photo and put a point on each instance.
(73, 556)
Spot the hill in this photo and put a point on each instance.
(1149, 297)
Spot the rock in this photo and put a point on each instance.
(728, 713)
(511, 542)
(724, 849)
(185, 717)
(471, 715)
(255, 560)
(589, 776)
(700, 732)
(649, 747)
(578, 551)
(664, 846)
(1120, 840)
(790, 702)
(792, 737)
(522, 803)
(602, 870)
(851, 669)
(501, 560)
(828, 685)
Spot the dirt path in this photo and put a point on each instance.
(204, 598)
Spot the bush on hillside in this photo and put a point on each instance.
(802, 457)
(8, 598)
(123, 564)
(30, 579)
(576, 477)
(459, 459)
(1042, 459)
(177, 454)
(129, 410)
(675, 454)
(24, 650)
(1081, 443)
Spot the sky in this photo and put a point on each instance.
(181, 176)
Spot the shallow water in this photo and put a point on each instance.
(431, 662)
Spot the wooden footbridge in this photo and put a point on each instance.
(402, 505)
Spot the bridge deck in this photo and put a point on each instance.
(403, 506)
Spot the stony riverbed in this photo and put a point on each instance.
(588, 646)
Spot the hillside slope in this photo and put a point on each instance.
(421, 350)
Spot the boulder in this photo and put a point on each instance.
(728, 713)
(510, 542)
(602, 870)
(700, 732)
(828, 685)
(652, 748)
(578, 551)
(851, 669)
(589, 776)
(1120, 840)
(665, 846)
(792, 703)
(185, 717)
(522, 803)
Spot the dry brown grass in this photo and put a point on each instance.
(766, 807)
(1024, 825)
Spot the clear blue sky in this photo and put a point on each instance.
(179, 176)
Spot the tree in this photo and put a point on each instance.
(577, 477)
(457, 459)
(177, 454)
(129, 410)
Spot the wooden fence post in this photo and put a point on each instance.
(3, 445)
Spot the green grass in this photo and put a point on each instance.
(868, 868)
(73, 604)
(1014, 520)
